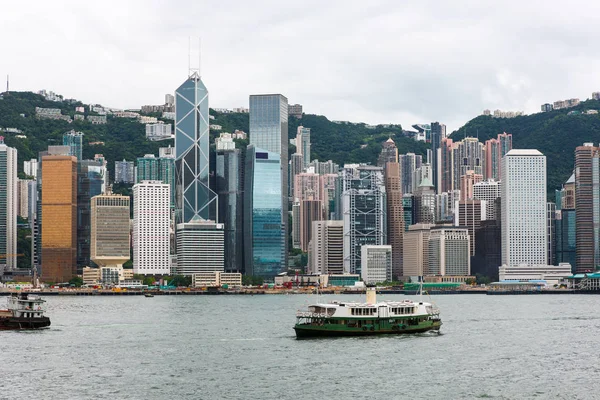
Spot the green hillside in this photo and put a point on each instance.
(554, 133)
(125, 139)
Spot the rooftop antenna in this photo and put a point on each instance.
(194, 69)
(7, 83)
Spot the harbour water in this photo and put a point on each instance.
(230, 347)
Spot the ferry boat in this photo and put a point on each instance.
(24, 311)
(366, 319)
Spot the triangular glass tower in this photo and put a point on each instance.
(195, 199)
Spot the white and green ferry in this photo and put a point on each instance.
(369, 318)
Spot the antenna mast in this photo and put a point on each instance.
(6, 83)
(193, 69)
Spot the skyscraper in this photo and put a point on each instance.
(124, 172)
(263, 247)
(109, 238)
(495, 150)
(449, 251)
(446, 165)
(587, 211)
(395, 215)
(269, 133)
(59, 214)
(489, 191)
(468, 155)
(470, 214)
(524, 236)
(8, 207)
(200, 247)
(151, 168)
(438, 132)
(194, 195)
(364, 212)
(409, 163)
(467, 181)
(327, 247)
(229, 188)
(303, 144)
(389, 153)
(151, 236)
(75, 142)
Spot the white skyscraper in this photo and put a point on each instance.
(8, 206)
(30, 167)
(489, 191)
(200, 247)
(151, 244)
(524, 236)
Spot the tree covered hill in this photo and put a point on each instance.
(554, 133)
(124, 138)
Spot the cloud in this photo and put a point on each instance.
(377, 62)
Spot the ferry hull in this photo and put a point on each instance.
(17, 323)
(310, 331)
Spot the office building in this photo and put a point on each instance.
(487, 191)
(488, 250)
(91, 181)
(8, 206)
(200, 247)
(445, 168)
(229, 188)
(194, 196)
(524, 236)
(364, 212)
(551, 231)
(59, 214)
(124, 172)
(395, 215)
(151, 168)
(109, 238)
(470, 214)
(415, 254)
(565, 250)
(151, 223)
(587, 169)
(449, 251)
(30, 168)
(376, 263)
(424, 198)
(303, 144)
(75, 142)
(263, 248)
(389, 153)
(409, 214)
(329, 188)
(438, 132)
(327, 248)
(409, 163)
(269, 134)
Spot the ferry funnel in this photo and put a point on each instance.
(371, 295)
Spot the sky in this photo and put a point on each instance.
(370, 61)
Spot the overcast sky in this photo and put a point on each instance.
(371, 61)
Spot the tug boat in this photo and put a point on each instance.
(366, 319)
(24, 311)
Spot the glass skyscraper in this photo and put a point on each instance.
(195, 199)
(91, 175)
(262, 213)
(229, 187)
(75, 142)
(269, 134)
(150, 168)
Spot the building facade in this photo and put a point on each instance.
(109, 239)
(124, 172)
(524, 236)
(8, 207)
(200, 247)
(75, 142)
(151, 228)
(303, 144)
(395, 215)
(376, 263)
(587, 215)
(327, 248)
(449, 252)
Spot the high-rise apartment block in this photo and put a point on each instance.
(59, 214)
(376, 263)
(151, 168)
(524, 236)
(151, 234)
(23, 197)
(395, 215)
(109, 238)
(389, 153)
(124, 172)
(30, 168)
(409, 163)
(364, 212)
(327, 248)
(8, 207)
(303, 144)
(195, 198)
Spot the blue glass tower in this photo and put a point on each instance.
(195, 199)
(262, 213)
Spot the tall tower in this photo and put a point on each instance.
(438, 132)
(75, 142)
(269, 133)
(395, 215)
(59, 214)
(524, 236)
(587, 212)
(8, 207)
(389, 153)
(303, 144)
(195, 199)
(109, 238)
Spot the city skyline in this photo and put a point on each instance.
(498, 77)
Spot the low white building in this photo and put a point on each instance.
(217, 279)
(552, 274)
(376, 263)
